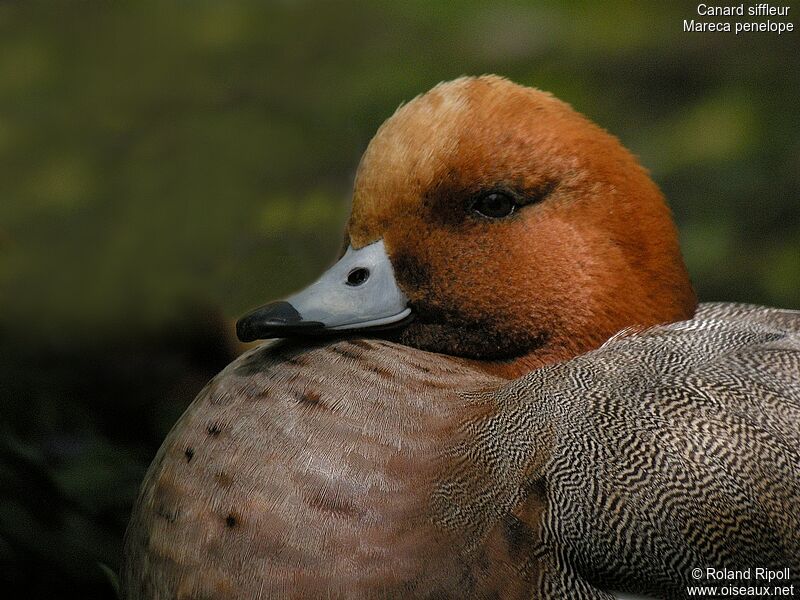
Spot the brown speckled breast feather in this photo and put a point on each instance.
(304, 472)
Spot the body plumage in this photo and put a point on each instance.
(622, 469)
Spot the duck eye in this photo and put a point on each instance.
(357, 276)
(494, 205)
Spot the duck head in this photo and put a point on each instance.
(492, 222)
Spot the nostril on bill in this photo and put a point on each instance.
(357, 276)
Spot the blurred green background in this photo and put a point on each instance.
(165, 166)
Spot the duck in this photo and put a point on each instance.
(503, 388)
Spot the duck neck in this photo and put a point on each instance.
(541, 357)
(568, 345)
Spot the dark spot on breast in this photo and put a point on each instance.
(189, 454)
(223, 479)
(214, 429)
(383, 372)
(168, 515)
(298, 360)
(364, 344)
(345, 352)
(439, 384)
(310, 398)
(231, 520)
(381, 343)
(217, 397)
(327, 502)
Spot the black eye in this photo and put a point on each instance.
(494, 205)
(357, 276)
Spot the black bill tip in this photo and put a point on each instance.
(273, 320)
